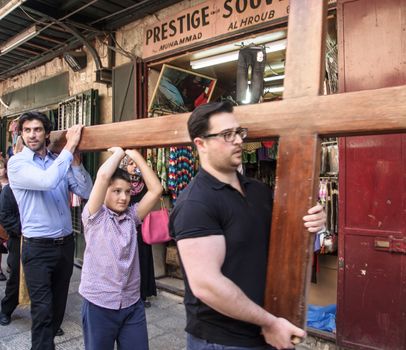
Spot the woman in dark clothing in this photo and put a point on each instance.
(3, 234)
(138, 190)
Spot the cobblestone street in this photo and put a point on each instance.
(166, 321)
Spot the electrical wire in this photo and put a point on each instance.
(35, 20)
(4, 103)
(120, 49)
(102, 46)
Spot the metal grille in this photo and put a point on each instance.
(79, 109)
(76, 110)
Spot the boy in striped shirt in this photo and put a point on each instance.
(113, 311)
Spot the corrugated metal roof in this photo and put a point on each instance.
(56, 26)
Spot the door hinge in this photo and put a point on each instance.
(391, 244)
(341, 262)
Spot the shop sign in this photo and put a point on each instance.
(208, 20)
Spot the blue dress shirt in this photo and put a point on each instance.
(41, 188)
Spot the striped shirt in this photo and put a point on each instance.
(111, 269)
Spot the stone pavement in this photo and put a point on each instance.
(166, 321)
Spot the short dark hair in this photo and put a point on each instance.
(120, 174)
(198, 123)
(35, 116)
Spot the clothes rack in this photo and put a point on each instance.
(329, 143)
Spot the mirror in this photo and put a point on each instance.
(179, 90)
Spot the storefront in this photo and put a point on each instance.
(188, 54)
(233, 51)
(63, 111)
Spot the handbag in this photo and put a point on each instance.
(155, 228)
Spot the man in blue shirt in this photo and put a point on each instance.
(41, 182)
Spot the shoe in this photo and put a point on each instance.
(2, 277)
(4, 319)
(59, 332)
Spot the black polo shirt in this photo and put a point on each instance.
(210, 207)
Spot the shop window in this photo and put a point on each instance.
(246, 71)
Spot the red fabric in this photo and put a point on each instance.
(203, 97)
(268, 144)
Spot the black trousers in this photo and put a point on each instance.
(255, 58)
(48, 268)
(148, 286)
(10, 300)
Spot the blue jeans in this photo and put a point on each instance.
(194, 343)
(103, 327)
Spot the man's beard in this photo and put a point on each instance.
(37, 147)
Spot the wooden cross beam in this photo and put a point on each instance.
(380, 111)
(297, 122)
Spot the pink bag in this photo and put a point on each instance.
(155, 226)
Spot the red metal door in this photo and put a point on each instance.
(372, 201)
(372, 279)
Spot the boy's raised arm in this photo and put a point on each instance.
(103, 177)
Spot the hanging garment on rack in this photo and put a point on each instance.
(152, 158)
(268, 144)
(326, 241)
(267, 172)
(181, 169)
(273, 151)
(333, 158)
(249, 157)
(204, 96)
(324, 167)
(254, 57)
(323, 191)
(13, 129)
(75, 200)
(263, 155)
(249, 154)
(334, 211)
(251, 146)
(161, 167)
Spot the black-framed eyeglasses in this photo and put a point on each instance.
(230, 134)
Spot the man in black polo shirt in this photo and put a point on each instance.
(221, 223)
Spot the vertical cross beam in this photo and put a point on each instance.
(298, 167)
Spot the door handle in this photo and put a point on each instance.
(390, 244)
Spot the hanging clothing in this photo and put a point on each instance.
(13, 129)
(333, 158)
(326, 241)
(181, 169)
(161, 167)
(254, 57)
(204, 96)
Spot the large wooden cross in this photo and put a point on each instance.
(297, 122)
